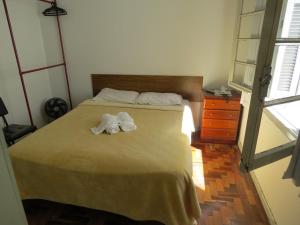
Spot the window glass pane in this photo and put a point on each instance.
(251, 26)
(285, 71)
(288, 114)
(253, 5)
(247, 51)
(290, 20)
(244, 75)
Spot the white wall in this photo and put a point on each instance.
(25, 19)
(280, 196)
(169, 37)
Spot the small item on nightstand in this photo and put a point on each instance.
(223, 91)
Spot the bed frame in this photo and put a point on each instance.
(190, 87)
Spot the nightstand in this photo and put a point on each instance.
(220, 118)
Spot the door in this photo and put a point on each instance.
(11, 209)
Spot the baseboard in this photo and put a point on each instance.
(263, 200)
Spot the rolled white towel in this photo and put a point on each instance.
(109, 123)
(126, 122)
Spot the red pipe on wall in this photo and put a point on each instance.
(64, 59)
(18, 60)
(42, 68)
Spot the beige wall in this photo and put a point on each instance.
(280, 196)
(25, 18)
(133, 37)
(170, 37)
(136, 37)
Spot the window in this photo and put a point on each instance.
(265, 41)
(278, 48)
(286, 67)
(248, 38)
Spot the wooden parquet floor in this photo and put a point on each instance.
(229, 196)
(226, 196)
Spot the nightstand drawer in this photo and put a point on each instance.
(221, 104)
(217, 134)
(214, 123)
(221, 114)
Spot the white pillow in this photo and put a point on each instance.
(154, 98)
(113, 95)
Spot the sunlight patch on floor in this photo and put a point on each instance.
(198, 171)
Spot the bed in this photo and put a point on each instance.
(144, 175)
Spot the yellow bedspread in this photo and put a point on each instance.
(145, 174)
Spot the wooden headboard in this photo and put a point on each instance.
(190, 87)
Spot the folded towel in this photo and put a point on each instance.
(126, 122)
(109, 123)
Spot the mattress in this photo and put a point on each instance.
(145, 174)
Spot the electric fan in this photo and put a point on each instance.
(56, 107)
